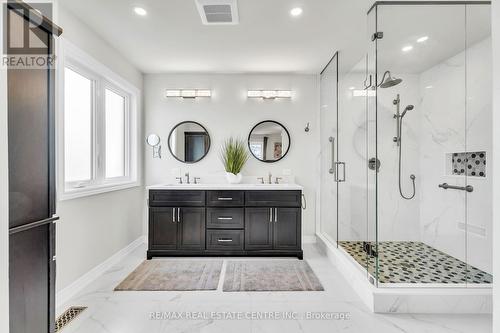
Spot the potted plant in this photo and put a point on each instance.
(234, 155)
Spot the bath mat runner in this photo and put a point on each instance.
(174, 275)
(270, 275)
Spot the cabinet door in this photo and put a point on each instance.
(258, 229)
(162, 228)
(192, 228)
(287, 229)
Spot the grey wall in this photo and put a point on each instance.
(94, 228)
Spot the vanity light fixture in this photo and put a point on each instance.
(189, 93)
(269, 94)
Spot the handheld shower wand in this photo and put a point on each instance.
(398, 138)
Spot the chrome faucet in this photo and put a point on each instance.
(187, 178)
(261, 180)
(196, 180)
(270, 179)
(179, 179)
(277, 181)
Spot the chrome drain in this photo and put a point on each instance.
(68, 316)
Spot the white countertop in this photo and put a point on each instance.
(273, 187)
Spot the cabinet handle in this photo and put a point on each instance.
(178, 215)
(275, 214)
(224, 240)
(224, 199)
(224, 218)
(270, 215)
(173, 215)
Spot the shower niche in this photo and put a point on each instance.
(471, 164)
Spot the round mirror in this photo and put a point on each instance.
(153, 140)
(269, 141)
(189, 142)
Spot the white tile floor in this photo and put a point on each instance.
(124, 312)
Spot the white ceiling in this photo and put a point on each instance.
(172, 38)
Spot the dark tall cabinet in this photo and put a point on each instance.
(32, 184)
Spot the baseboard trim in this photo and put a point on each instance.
(309, 239)
(64, 295)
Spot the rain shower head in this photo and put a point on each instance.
(389, 81)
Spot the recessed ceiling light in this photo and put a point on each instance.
(297, 11)
(407, 48)
(422, 39)
(140, 11)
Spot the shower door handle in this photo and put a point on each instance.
(343, 172)
(332, 169)
(337, 179)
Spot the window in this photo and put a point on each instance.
(77, 126)
(257, 149)
(116, 134)
(98, 128)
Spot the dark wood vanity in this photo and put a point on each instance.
(224, 223)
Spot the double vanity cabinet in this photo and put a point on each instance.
(202, 221)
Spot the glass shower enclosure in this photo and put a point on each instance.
(406, 141)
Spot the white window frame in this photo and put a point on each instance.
(117, 90)
(102, 78)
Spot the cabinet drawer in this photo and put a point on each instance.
(225, 239)
(273, 198)
(225, 218)
(225, 198)
(176, 198)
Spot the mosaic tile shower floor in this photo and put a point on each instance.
(415, 262)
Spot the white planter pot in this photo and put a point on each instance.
(234, 179)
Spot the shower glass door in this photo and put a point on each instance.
(372, 162)
(432, 134)
(479, 141)
(329, 149)
(356, 146)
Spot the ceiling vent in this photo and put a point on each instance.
(218, 12)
